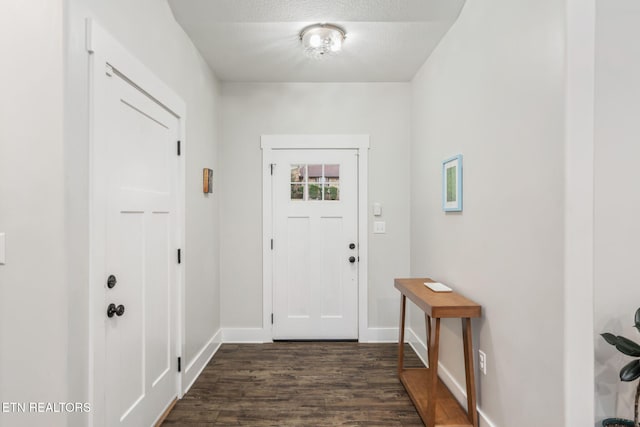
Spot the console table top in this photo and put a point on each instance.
(437, 304)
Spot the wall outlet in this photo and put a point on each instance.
(482, 362)
(379, 227)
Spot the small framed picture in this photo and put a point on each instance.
(452, 184)
(207, 180)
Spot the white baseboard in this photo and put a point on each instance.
(260, 335)
(197, 364)
(417, 345)
(246, 335)
(456, 388)
(379, 335)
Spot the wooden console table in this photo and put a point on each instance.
(434, 402)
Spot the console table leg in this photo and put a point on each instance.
(427, 321)
(403, 307)
(433, 371)
(469, 373)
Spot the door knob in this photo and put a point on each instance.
(112, 309)
(352, 259)
(352, 245)
(111, 281)
(120, 310)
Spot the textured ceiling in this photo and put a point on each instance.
(257, 40)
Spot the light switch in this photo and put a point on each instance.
(379, 227)
(2, 262)
(377, 209)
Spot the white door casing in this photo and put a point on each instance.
(270, 145)
(137, 225)
(315, 251)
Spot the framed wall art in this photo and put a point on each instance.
(207, 180)
(452, 184)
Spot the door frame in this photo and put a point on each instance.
(106, 55)
(271, 143)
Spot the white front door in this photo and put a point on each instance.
(315, 247)
(141, 328)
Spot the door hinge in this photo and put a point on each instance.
(272, 166)
(272, 318)
(179, 364)
(271, 244)
(179, 256)
(178, 148)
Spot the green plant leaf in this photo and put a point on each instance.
(637, 319)
(630, 371)
(627, 347)
(610, 338)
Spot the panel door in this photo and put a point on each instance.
(140, 342)
(315, 254)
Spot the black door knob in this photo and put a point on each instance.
(352, 259)
(120, 310)
(112, 309)
(111, 281)
(352, 245)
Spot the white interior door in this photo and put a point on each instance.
(140, 342)
(315, 248)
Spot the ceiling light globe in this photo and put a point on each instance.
(315, 40)
(318, 40)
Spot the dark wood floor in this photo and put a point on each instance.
(300, 384)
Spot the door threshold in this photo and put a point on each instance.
(318, 340)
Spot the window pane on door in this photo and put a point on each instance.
(315, 173)
(331, 192)
(315, 191)
(297, 173)
(297, 191)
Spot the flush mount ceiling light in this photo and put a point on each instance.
(320, 40)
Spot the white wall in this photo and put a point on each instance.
(148, 30)
(493, 92)
(617, 199)
(33, 285)
(251, 110)
(578, 213)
